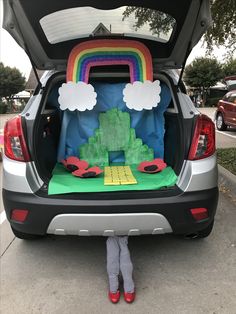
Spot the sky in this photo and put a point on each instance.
(14, 56)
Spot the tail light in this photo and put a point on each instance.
(199, 213)
(203, 143)
(14, 142)
(19, 215)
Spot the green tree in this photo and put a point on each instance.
(158, 22)
(202, 74)
(229, 68)
(11, 81)
(222, 31)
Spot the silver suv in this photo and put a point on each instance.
(48, 30)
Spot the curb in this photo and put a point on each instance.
(227, 179)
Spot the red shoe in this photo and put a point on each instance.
(114, 297)
(129, 297)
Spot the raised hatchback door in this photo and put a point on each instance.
(48, 30)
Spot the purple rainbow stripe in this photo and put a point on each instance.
(87, 63)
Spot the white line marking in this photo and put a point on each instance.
(220, 132)
(2, 217)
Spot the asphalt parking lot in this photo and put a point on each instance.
(173, 275)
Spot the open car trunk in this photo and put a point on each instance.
(55, 137)
(151, 36)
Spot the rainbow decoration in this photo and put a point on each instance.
(110, 52)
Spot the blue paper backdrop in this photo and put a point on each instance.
(78, 126)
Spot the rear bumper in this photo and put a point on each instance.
(109, 224)
(111, 214)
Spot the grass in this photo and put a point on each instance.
(227, 158)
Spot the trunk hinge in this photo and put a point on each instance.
(26, 48)
(184, 63)
(33, 66)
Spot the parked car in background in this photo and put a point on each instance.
(230, 82)
(226, 111)
(1, 144)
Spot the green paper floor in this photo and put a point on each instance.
(63, 182)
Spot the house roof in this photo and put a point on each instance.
(101, 30)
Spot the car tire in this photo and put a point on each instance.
(220, 124)
(25, 236)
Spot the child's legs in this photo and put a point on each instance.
(126, 265)
(113, 262)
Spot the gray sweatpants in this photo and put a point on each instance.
(118, 259)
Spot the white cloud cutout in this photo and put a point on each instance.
(142, 95)
(77, 96)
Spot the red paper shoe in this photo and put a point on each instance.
(88, 173)
(74, 163)
(129, 297)
(153, 166)
(114, 297)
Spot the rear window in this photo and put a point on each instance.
(129, 21)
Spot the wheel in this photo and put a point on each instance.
(25, 236)
(220, 124)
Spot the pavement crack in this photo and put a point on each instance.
(7, 247)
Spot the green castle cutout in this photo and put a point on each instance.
(114, 134)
